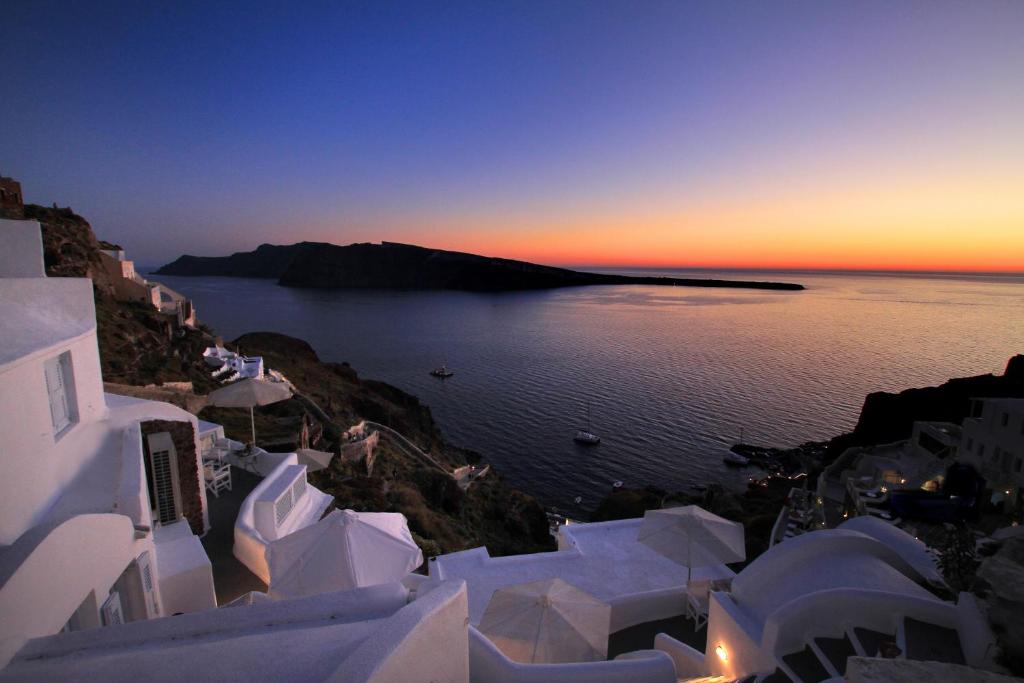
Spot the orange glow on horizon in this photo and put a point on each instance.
(940, 224)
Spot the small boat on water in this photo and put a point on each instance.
(586, 436)
(442, 372)
(735, 460)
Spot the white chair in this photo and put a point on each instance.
(697, 597)
(217, 476)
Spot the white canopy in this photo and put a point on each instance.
(693, 537)
(547, 621)
(343, 550)
(249, 393)
(314, 460)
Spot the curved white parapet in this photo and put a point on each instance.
(909, 548)
(47, 574)
(358, 636)
(424, 640)
(688, 661)
(830, 613)
(488, 663)
(639, 608)
(833, 559)
(305, 509)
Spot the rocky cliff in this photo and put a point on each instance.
(887, 417)
(266, 261)
(402, 266)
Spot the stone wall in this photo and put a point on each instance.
(180, 394)
(189, 477)
(11, 200)
(363, 449)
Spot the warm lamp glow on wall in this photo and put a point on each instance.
(722, 654)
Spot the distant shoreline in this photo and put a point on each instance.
(390, 265)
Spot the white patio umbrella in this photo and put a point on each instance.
(343, 550)
(249, 393)
(693, 537)
(314, 460)
(547, 621)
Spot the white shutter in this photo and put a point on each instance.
(298, 489)
(164, 469)
(282, 506)
(111, 610)
(163, 486)
(146, 573)
(56, 387)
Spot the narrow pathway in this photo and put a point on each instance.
(464, 480)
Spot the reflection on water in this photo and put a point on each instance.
(672, 373)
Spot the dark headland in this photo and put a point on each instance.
(401, 266)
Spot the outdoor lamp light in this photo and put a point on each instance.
(722, 654)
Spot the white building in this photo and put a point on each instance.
(993, 441)
(862, 477)
(128, 285)
(102, 496)
(806, 605)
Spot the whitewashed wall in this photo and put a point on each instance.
(48, 577)
(37, 465)
(22, 253)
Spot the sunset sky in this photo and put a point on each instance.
(783, 134)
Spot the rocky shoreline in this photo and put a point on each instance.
(884, 418)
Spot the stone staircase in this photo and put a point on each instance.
(824, 658)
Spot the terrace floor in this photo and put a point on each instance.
(605, 561)
(231, 578)
(641, 636)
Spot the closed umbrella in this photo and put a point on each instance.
(547, 621)
(249, 393)
(693, 537)
(343, 550)
(314, 460)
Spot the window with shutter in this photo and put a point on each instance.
(59, 390)
(146, 573)
(298, 489)
(282, 506)
(163, 487)
(111, 610)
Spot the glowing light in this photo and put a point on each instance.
(722, 654)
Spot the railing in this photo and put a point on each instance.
(408, 446)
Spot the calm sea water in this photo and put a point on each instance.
(672, 374)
